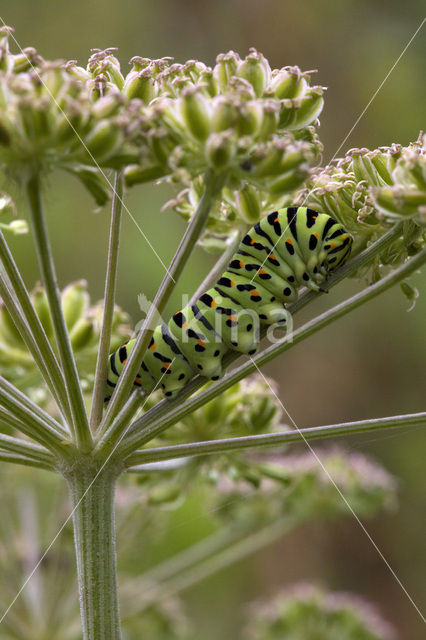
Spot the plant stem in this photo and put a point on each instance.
(26, 461)
(18, 416)
(213, 186)
(34, 348)
(22, 448)
(24, 408)
(92, 495)
(109, 298)
(225, 445)
(80, 422)
(38, 343)
(178, 409)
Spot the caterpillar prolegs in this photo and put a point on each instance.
(287, 249)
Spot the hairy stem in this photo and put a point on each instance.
(32, 331)
(225, 445)
(18, 416)
(92, 494)
(213, 187)
(26, 461)
(109, 298)
(178, 409)
(80, 421)
(16, 445)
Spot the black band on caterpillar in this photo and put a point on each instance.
(287, 249)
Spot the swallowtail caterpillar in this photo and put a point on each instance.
(286, 250)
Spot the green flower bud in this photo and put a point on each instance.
(195, 111)
(103, 62)
(270, 119)
(225, 68)
(108, 105)
(41, 306)
(220, 150)
(250, 117)
(288, 82)
(134, 174)
(300, 112)
(26, 60)
(288, 182)
(225, 114)
(140, 84)
(75, 302)
(248, 204)
(103, 140)
(81, 334)
(256, 70)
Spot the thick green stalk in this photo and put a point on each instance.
(193, 231)
(177, 409)
(109, 298)
(34, 335)
(225, 445)
(92, 495)
(80, 421)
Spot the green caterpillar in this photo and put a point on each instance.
(285, 250)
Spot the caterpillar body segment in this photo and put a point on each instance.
(286, 250)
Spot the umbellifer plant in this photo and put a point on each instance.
(236, 142)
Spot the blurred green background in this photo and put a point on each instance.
(368, 364)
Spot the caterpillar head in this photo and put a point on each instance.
(337, 251)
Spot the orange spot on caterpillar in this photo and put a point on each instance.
(254, 293)
(276, 219)
(233, 317)
(289, 241)
(232, 283)
(201, 343)
(124, 362)
(166, 365)
(138, 380)
(213, 303)
(185, 324)
(253, 242)
(65, 442)
(332, 245)
(241, 264)
(152, 347)
(273, 256)
(316, 235)
(262, 271)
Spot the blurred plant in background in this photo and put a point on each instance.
(310, 612)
